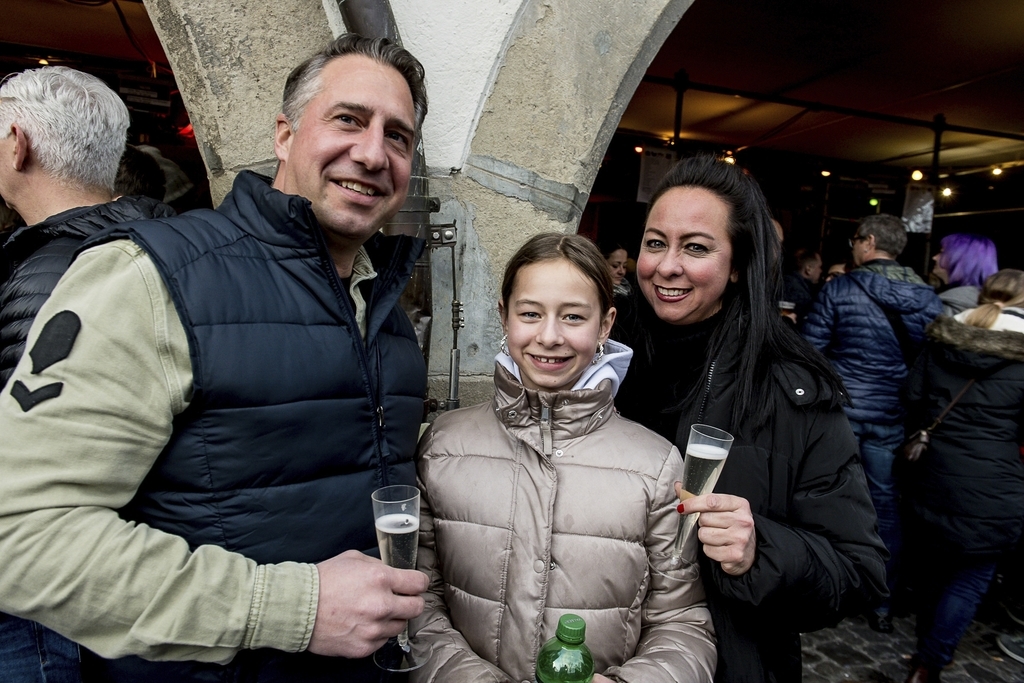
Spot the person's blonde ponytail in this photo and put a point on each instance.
(1004, 289)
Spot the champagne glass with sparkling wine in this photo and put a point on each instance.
(396, 516)
(706, 450)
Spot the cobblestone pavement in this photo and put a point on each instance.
(853, 653)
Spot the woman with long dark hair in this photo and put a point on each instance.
(788, 541)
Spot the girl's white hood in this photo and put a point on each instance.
(612, 366)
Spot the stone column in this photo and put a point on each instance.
(230, 59)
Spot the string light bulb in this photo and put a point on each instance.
(729, 159)
(639, 149)
(873, 202)
(917, 175)
(826, 174)
(997, 171)
(44, 62)
(947, 192)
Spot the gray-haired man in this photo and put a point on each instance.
(63, 132)
(63, 135)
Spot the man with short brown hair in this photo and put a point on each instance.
(801, 286)
(211, 400)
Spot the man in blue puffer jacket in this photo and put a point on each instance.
(870, 324)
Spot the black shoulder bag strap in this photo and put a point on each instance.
(949, 406)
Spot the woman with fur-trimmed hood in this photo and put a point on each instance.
(966, 493)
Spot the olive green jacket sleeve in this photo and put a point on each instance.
(69, 461)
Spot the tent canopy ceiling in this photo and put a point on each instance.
(914, 59)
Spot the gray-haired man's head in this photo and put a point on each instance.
(879, 233)
(75, 124)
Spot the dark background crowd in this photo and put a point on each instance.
(942, 356)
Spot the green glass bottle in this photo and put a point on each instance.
(565, 658)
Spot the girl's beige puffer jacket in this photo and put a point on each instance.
(539, 504)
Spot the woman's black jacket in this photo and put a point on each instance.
(819, 557)
(967, 491)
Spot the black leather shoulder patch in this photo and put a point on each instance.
(30, 399)
(55, 341)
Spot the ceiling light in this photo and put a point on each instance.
(639, 149)
(826, 173)
(917, 175)
(947, 192)
(997, 171)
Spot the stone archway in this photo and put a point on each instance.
(568, 74)
(563, 74)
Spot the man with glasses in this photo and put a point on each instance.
(870, 324)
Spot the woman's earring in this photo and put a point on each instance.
(504, 345)
(600, 353)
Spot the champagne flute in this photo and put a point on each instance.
(706, 451)
(396, 517)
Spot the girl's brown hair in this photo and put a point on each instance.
(1005, 288)
(579, 251)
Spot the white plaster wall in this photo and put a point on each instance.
(461, 44)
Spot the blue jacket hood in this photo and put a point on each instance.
(902, 296)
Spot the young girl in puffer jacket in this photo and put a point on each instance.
(545, 501)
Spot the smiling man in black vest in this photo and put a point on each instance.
(208, 402)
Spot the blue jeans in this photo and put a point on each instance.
(877, 443)
(952, 591)
(30, 653)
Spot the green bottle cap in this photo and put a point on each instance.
(571, 629)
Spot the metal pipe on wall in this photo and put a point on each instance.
(371, 18)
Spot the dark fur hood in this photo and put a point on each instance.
(1001, 344)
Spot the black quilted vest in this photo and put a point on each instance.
(39, 254)
(294, 419)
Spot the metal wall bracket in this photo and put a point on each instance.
(445, 236)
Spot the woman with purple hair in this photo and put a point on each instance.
(963, 263)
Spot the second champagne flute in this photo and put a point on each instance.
(706, 451)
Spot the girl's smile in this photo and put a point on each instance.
(554, 324)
